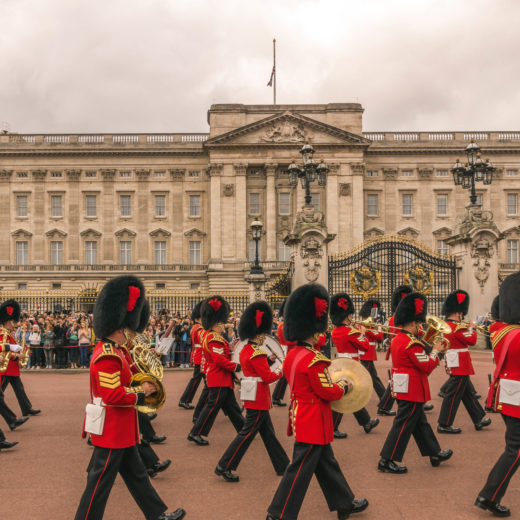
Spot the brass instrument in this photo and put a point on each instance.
(150, 369)
(25, 354)
(5, 357)
(436, 330)
(369, 323)
(358, 375)
(481, 329)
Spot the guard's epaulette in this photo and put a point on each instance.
(499, 335)
(257, 351)
(215, 336)
(352, 331)
(414, 341)
(318, 357)
(108, 351)
(460, 326)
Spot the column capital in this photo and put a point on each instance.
(73, 175)
(390, 174)
(357, 168)
(333, 168)
(39, 175)
(108, 174)
(215, 170)
(177, 174)
(5, 174)
(142, 174)
(240, 169)
(425, 172)
(270, 169)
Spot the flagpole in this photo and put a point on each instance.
(274, 68)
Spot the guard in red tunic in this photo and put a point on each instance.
(504, 396)
(120, 311)
(411, 366)
(306, 369)
(196, 358)
(255, 323)
(350, 343)
(281, 385)
(9, 317)
(220, 375)
(495, 316)
(459, 366)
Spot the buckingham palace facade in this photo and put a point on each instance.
(176, 209)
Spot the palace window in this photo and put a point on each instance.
(284, 252)
(22, 175)
(56, 210)
(125, 174)
(194, 286)
(511, 173)
(194, 205)
(160, 205)
(442, 247)
(284, 203)
(315, 201)
(372, 173)
(91, 174)
(512, 203)
(91, 252)
(252, 250)
(407, 204)
(125, 252)
(406, 173)
(126, 205)
(56, 174)
(159, 174)
(160, 252)
(91, 205)
(442, 205)
(21, 286)
(56, 286)
(21, 206)
(57, 253)
(479, 200)
(160, 285)
(372, 205)
(442, 173)
(194, 252)
(254, 203)
(512, 251)
(194, 173)
(22, 252)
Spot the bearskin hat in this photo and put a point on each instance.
(306, 312)
(195, 312)
(145, 317)
(457, 301)
(495, 308)
(281, 309)
(9, 310)
(366, 308)
(398, 294)
(119, 305)
(412, 307)
(509, 299)
(256, 319)
(214, 310)
(341, 306)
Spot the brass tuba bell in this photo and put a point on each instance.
(436, 329)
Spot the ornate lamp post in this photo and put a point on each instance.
(474, 170)
(309, 172)
(256, 228)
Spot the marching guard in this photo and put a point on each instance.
(411, 366)
(255, 323)
(504, 396)
(120, 311)
(306, 316)
(220, 374)
(350, 343)
(459, 366)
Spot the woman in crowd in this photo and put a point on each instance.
(35, 343)
(84, 340)
(48, 343)
(72, 342)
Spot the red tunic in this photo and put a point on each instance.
(110, 376)
(253, 361)
(282, 340)
(349, 341)
(13, 368)
(310, 415)
(196, 344)
(460, 338)
(220, 368)
(372, 336)
(409, 357)
(495, 326)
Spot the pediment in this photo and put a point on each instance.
(408, 232)
(90, 233)
(125, 232)
(160, 232)
(19, 233)
(374, 232)
(442, 231)
(512, 230)
(56, 233)
(287, 129)
(194, 232)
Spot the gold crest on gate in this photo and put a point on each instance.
(419, 278)
(365, 281)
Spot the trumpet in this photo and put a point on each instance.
(369, 323)
(481, 329)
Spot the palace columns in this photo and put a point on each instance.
(270, 213)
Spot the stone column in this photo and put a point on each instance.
(392, 203)
(39, 214)
(358, 203)
(109, 207)
(5, 216)
(73, 213)
(474, 245)
(256, 286)
(176, 253)
(215, 171)
(141, 254)
(270, 212)
(240, 211)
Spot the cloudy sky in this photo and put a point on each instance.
(157, 65)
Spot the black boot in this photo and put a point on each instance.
(482, 424)
(197, 439)
(340, 435)
(18, 422)
(5, 444)
(494, 507)
(440, 457)
(176, 515)
(357, 506)
(370, 425)
(226, 473)
(389, 466)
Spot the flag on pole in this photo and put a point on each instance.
(270, 84)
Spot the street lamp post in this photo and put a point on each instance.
(256, 229)
(474, 170)
(309, 172)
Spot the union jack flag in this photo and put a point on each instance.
(270, 84)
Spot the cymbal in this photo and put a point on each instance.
(361, 381)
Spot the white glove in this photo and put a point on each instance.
(15, 348)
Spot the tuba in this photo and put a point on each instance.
(5, 357)
(25, 354)
(150, 369)
(436, 329)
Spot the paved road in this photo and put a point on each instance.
(44, 476)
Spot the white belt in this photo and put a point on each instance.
(197, 345)
(348, 355)
(258, 379)
(459, 349)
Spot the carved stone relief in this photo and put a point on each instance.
(482, 250)
(228, 190)
(344, 190)
(285, 131)
(311, 251)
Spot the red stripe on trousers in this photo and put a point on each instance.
(97, 483)
(210, 412)
(399, 436)
(453, 401)
(245, 438)
(504, 479)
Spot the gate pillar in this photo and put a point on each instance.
(308, 240)
(474, 245)
(256, 283)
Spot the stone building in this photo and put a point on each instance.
(177, 208)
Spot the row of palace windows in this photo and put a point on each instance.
(124, 174)
(441, 204)
(284, 203)
(439, 173)
(91, 252)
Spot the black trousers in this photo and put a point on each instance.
(309, 460)
(19, 391)
(2, 436)
(5, 411)
(279, 389)
(457, 389)
(191, 388)
(145, 426)
(378, 385)
(410, 420)
(446, 383)
(203, 399)
(257, 421)
(386, 401)
(147, 454)
(219, 397)
(362, 417)
(506, 465)
(103, 468)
